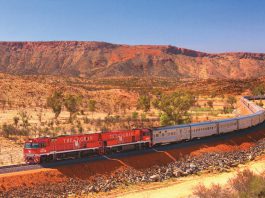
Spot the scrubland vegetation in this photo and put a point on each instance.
(246, 184)
(85, 114)
(131, 103)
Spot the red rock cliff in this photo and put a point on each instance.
(98, 59)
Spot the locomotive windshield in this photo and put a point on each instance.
(32, 145)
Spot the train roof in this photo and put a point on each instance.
(171, 127)
(202, 123)
(225, 120)
(254, 97)
(260, 111)
(183, 125)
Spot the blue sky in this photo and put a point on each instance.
(205, 25)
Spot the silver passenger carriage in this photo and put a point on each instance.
(227, 125)
(203, 129)
(170, 134)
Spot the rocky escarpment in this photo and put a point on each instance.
(98, 59)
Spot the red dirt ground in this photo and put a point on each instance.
(91, 170)
(30, 178)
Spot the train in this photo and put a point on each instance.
(45, 149)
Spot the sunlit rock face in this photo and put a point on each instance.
(98, 59)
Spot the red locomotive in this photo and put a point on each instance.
(44, 149)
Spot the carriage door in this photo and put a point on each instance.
(133, 138)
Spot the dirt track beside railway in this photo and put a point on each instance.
(219, 155)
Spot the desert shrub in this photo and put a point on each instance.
(112, 119)
(227, 109)
(258, 90)
(144, 103)
(23, 132)
(73, 130)
(98, 122)
(143, 116)
(260, 103)
(16, 120)
(214, 113)
(8, 130)
(79, 127)
(117, 118)
(213, 191)
(245, 185)
(134, 115)
(210, 103)
(86, 120)
(24, 118)
(164, 120)
(231, 100)
(104, 128)
(92, 106)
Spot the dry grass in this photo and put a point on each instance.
(10, 152)
(245, 184)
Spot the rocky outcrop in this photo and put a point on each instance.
(99, 59)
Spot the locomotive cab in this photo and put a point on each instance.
(146, 134)
(33, 150)
(146, 137)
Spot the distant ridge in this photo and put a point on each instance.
(100, 59)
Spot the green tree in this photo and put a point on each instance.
(143, 116)
(16, 120)
(258, 90)
(24, 118)
(174, 106)
(55, 102)
(164, 119)
(210, 103)
(123, 106)
(231, 100)
(134, 115)
(72, 103)
(156, 92)
(144, 103)
(80, 128)
(227, 109)
(92, 106)
(143, 119)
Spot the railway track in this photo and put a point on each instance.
(118, 156)
(18, 168)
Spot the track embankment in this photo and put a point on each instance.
(165, 162)
(185, 187)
